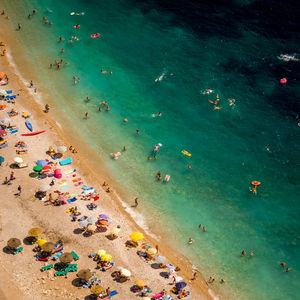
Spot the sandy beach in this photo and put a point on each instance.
(20, 274)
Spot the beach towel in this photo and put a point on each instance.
(66, 161)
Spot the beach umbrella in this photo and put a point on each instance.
(140, 283)
(125, 272)
(35, 232)
(3, 92)
(37, 168)
(46, 169)
(151, 251)
(66, 258)
(178, 279)
(44, 188)
(136, 236)
(101, 252)
(2, 75)
(41, 163)
(61, 149)
(92, 219)
(48, 247)
(18, 160)
(115, 231)
(3, 132)
(83, 223)
(91, 228)
(106, 257)
(13, 243)
(160, 259)
(96, 289)
(41, 242)
(84, 274)
(103, 216)
(180, 285)
(103, 222)
(5, 120)
(2, 159)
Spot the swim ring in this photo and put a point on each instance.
(95, 35)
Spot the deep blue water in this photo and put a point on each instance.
(231, 47)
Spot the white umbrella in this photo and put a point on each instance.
(61, 149)
(178, 279)
(115, 231)
(91, 228)
(160, 259)
(125, 272)
(83, 223)
(18, 160)
(44, 188)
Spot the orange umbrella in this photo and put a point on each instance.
(2, 75)
(104, 222)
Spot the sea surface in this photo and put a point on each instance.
(234, 48)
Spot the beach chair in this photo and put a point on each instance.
(71, 269)
(76, 257)
(61, 273)
(111, 294)
(72, 266)
(57, 256)
(46, 268)
(18, 250)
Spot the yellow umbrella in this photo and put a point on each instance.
(96, 289)
(35, 232)
(101, 252)
(106, 257)
(151, 251)
(136, 236)
(41, 242)
(140, 283)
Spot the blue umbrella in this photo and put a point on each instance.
(103, 216)
(41, 163)
(1, 159)
(180, 285)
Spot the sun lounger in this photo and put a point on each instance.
(112, 293)
(61, 273)
(46, 268)
(66, 161)
(76, 257)
(9, 92)
(72, 266)
(57, 256)
(18, 250)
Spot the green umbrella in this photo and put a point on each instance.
(1, 159)
(33, 174)
(37, 168)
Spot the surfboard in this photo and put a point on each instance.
(28, 125)
(33, 133)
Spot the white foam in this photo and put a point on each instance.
(288, 57)
(138, 218)
(12, 64)
(58, 124)
(213, 295)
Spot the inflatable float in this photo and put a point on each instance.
(28, 125)
(167, 178)
(116, 155)
(255, 183)
(156, 147)
(95, 35)
(184, 152)
(77, 14)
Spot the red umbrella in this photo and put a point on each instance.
(3, 132)
(104, 222)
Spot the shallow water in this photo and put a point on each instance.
(231, 49)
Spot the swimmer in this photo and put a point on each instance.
(243, 253)
(107, 108)
(251, 253)
(124, 148)
(86, 115)
(199, 226)
(19, 26)
(217, 107)
(62, 50)
(88, 98)
(231, 102)
(137, 131)
(283, 264)
(110, 72)
(125, 120)
(222, 281)
(191, 241)
(158, 115)
(148, 158)
(99, 109)
(154, 156)
(267, 148)
(103, 71)
(211, 279)
(204, 229)
(288, 269)
(189, 167)
(60, 39)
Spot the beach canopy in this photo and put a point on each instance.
(83, 223)
(151, 251)
(96, 289)
(140, 283)
(61, 149)
(101, 252)
(44, 188)
(18, 160)
(125, 272)
(41, 242)
(106, 257)
(160, 259)
(41, 163)
(35, 232)
(103, 216)
(180, 285)
(84, 274)
(66, 258)
(136, 236)
(13, 243)
(48, 247)
(92, 219)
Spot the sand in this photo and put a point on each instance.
(20, 274)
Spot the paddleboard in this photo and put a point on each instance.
(33, 133)
(28, 125)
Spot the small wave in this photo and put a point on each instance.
(288, 57)
(58, 124)
(138, 218)
(213, 295)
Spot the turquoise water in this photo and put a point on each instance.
(230, 49)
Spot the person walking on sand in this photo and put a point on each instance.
(19, 190)
(19, 26)
(86, 115)
(194, 276)
(136, 202)
(12, 177)
(31, 84)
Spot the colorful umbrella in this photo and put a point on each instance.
(13, 243)
(140, 283)
(180, 285)
(115, 231)
(91, 228)
(5, 120)
(2, 159)
(2, 75)
(96, 289)
(41, 163)
(92, 219)
(83, 223)
(136, 236)
(35, 232)
(48, 247)
(125, 272)
(103, 222)
(18, 160)
(37, 168)
(106, 257)
(41, 242)
(103, 216)
(61, 149)
(3, 132)
(44, 188)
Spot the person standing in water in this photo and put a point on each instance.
(19, 26)
(86, 115)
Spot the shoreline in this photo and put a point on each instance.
(91, 175)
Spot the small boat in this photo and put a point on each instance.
(28, 125)
(33, 133)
